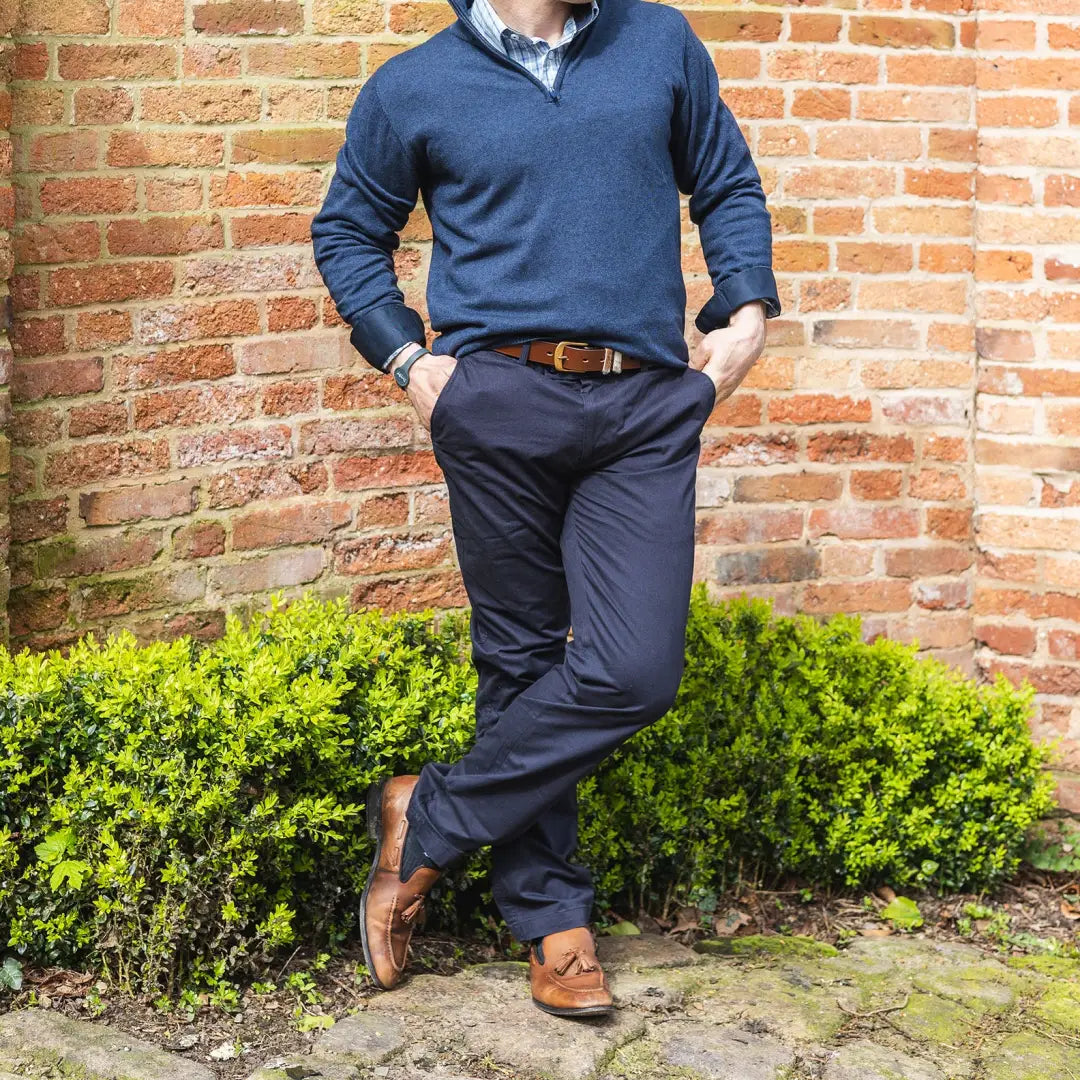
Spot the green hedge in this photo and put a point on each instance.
(176, 812)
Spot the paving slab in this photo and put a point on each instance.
(32, 1039)
(1028, 1056)
(864, 1060)
(725, 1054)
(365, 1038)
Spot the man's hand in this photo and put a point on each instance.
(427, 377)
(727, 355)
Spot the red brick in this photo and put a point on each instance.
(786, 487)
(413, 593)
(306, 523)
(766, 565)
(86, 62)
(875, 484)
(164, 236)
(116, 506)
(893, 32)
(854, 446)
(61, 377)
(97, 418)
(290, 398)
(818, 409)
(1004, 638)
(756, 527)
(69, 287)
(251, 444)
(238, 487)
(38, 337)
(35, 519)
(863, 523)
(407, 469)
(37, 609)
(92, 462)
(199, 540)
(88, 195)
(173, 366)
(191, 406)
(942, 595)
(279, 570)
(377, 554)
(231, 19)
(98, 329)
(138, 149)
(882, 595)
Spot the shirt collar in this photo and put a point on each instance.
(570, 28)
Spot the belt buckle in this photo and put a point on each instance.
(560, 352)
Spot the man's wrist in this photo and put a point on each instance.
(399, 356)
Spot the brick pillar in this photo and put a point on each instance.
(1027, 438)
(8, 10)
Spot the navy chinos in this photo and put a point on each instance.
(572, 501)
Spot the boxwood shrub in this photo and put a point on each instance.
(178, 812)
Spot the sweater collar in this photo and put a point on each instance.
(461, 9)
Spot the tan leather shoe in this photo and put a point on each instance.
(389, 907)
(566, 978)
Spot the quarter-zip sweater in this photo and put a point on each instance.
(554, 211)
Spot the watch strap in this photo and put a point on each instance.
(401, 372)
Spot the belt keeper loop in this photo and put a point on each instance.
(525, 351)
(606, 368)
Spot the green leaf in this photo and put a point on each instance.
(314, 1022)
(10, 974)
(70, 870)
(54, 847)
(621, 929)
(903, 913)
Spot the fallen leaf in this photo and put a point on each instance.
(883, 892)
(729, 924)
(1070, 911)
(687, 918)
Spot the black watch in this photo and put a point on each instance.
(401, 372)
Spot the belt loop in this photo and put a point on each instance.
(525, 351)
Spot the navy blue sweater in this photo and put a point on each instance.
(554, 213)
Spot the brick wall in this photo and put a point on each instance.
(7, 223)
(1027, 332)
(192, 429)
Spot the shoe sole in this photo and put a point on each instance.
(585, 1010)
(374, 820)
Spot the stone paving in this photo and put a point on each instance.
(899, 1008)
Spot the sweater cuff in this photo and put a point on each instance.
(383, 329)
(755, 283)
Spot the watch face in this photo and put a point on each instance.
(401, 378)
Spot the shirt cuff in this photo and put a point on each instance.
(382, 330)
(754, 283)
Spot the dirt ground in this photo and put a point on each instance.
(282, 1012)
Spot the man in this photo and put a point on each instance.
(550, 142)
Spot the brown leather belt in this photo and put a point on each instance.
(574, 356)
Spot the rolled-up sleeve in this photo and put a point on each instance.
(727, 203)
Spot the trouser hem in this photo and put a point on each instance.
(435, 845)
(549, 922)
